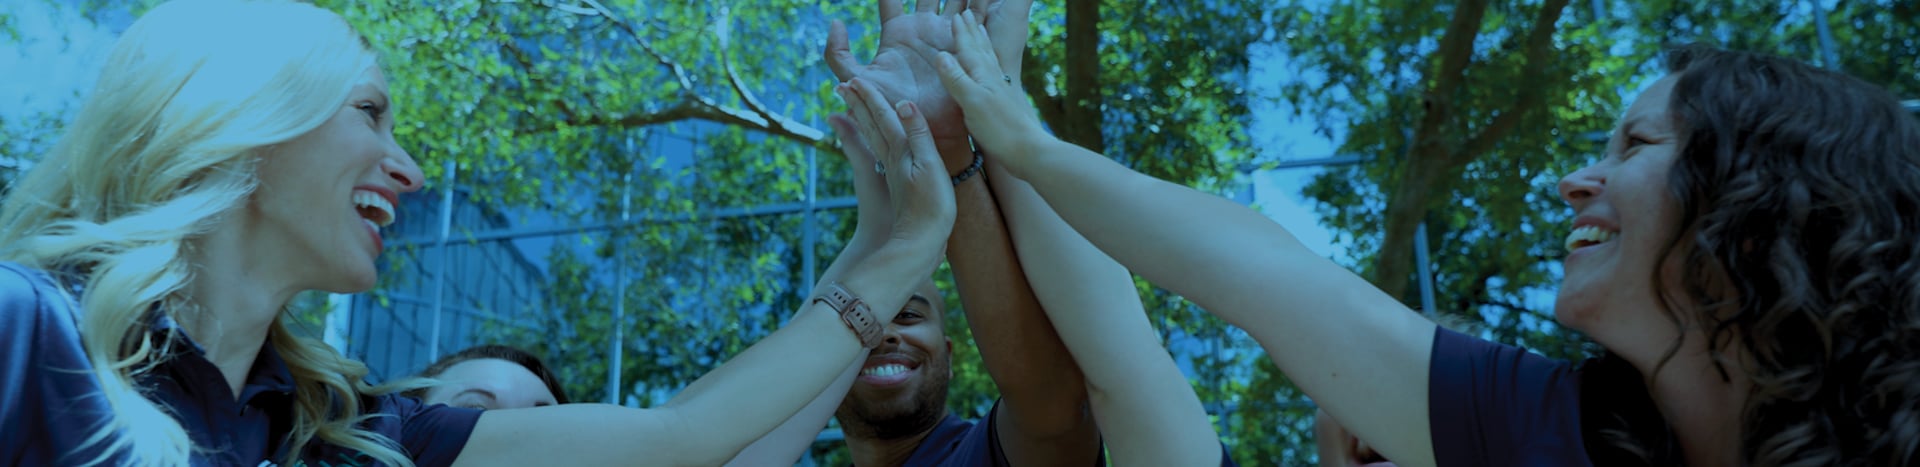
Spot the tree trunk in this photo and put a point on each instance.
(1431, 168)
(1082, 119)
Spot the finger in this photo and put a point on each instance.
(856, 149)
(953, 7)
(974, 53)
(925, 158)
(862, 116)
(890, 9)
(1010, 24)
(874, 113)
(926, 6)
(979, 7)
(838, 55)
(955, 78)
(882, 116)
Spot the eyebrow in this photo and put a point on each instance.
(919, 298)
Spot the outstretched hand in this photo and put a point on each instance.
(918, 187)
(998, 115)
(899, 68)
(902, 68)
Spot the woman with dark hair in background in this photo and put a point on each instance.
(490, 377)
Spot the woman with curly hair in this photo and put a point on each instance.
(221, 167)
(1745, 251)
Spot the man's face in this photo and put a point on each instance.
(902, 387)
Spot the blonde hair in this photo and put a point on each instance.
(164, 147)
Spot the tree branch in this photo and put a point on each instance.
(520, 56)
(1527, 98)
(1456, 52)
(692, 105)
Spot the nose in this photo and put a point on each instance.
(401, 168)
(892, 336)
(1582, 185)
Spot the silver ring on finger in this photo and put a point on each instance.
(880, 168)
(1008, 79)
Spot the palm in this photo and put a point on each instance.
(901, 71)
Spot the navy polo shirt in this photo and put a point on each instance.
(1497, 405)
(960, 443)
(53, 403)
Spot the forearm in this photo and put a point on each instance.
(788, 442)
(785, 444)
(1195, 244)
(768, 383)
(1355, 349)
(1147, 410)
(1040, 386)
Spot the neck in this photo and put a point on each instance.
(235, 304)
(871, 451)
(1703, 410)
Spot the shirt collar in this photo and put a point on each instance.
(269, 371)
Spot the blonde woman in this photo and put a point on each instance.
(216, 172)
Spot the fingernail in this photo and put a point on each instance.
(905, 108)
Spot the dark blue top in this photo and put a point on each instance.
(53, 403)
(1497, 405)
(960, 443)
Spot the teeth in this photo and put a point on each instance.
(367, 199)
(1589, 235)
(884, 370)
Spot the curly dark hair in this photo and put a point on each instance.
(497, 352)
(1799, 189)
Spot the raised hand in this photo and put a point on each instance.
(917, 182)
(1007, 27)
(874, 221)
(900, 68)
(998, 115)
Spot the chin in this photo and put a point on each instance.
(1572, 310)
(359, 278)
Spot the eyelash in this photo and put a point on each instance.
(372, 110)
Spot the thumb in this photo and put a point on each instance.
(838, 55)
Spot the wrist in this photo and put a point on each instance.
(885, 277)
(955, 153)
(1023, 151)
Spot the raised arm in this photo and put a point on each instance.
(1360, 353)
(1146, 409)
(873, 219)
(764, 386)
(1041, 420)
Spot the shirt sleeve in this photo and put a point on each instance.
(51, 399)
(432, 434)
(1497, 405)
